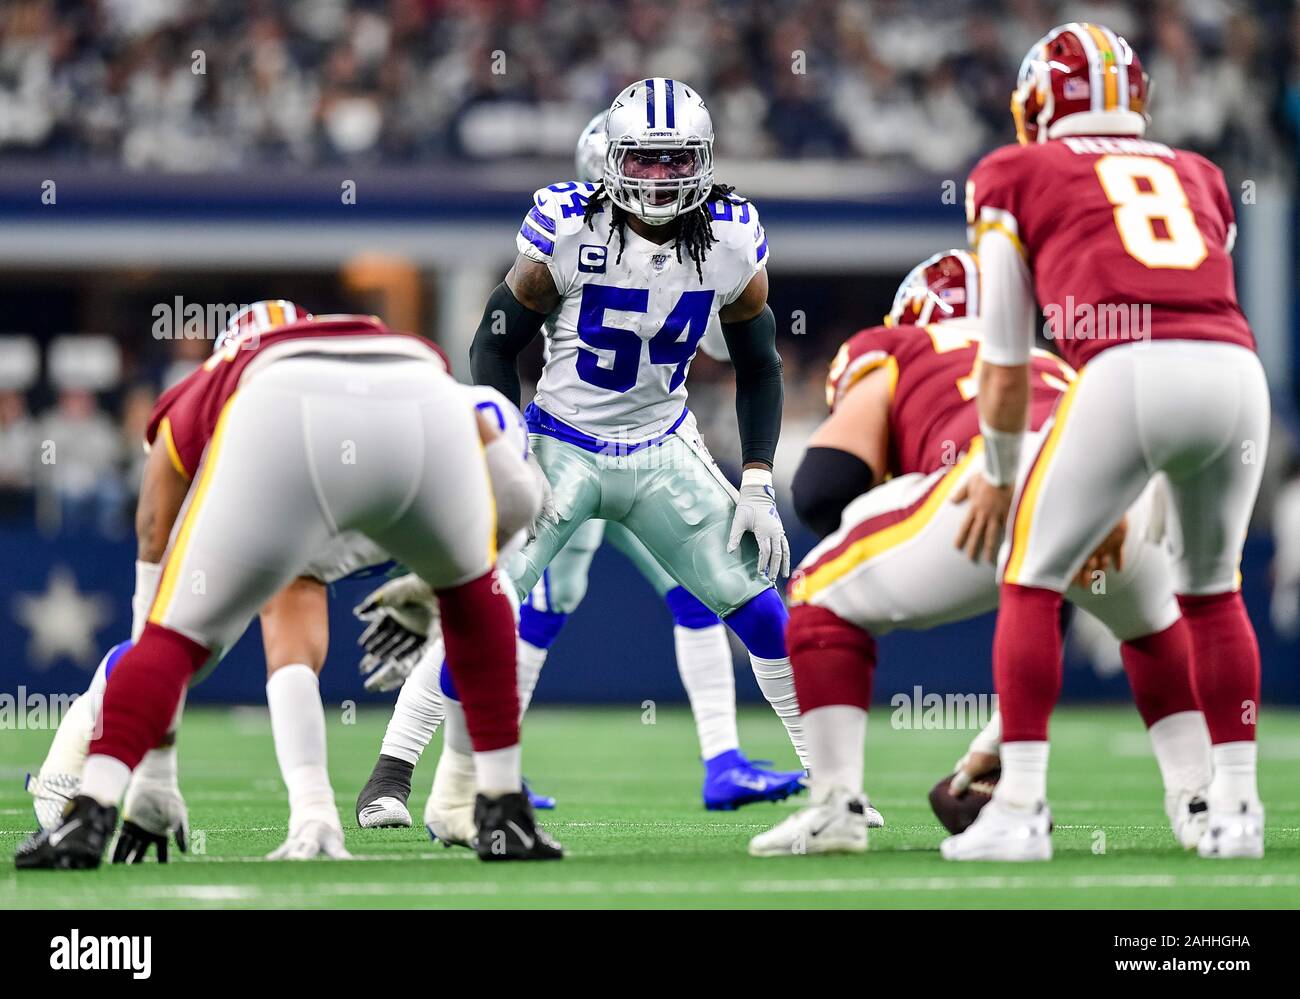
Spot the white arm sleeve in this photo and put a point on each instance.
(147, 575)
(1008, 301)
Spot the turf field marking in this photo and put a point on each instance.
(286, 894)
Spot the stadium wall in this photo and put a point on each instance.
(64, 601)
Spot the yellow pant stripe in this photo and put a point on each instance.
(167, 585)
(1033, 486)
(807, 586)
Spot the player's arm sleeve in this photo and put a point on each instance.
(828, 479)
(507, 327)
(760, 393)
(994, 228)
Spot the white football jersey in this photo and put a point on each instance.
(620, 344)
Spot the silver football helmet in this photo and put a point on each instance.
(659, 152)
(589, 158)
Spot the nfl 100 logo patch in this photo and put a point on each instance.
(659, 261)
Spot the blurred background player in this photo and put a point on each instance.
(1169, 382)
(699, 639)
(883, 479)
(626, 276)
(364, 401)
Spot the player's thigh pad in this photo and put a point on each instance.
(639, 555)
(564, 580)
(574, 476)
(1075, 487)
(893, 562)
(1204, 415)
(249, 523)
(682, 512)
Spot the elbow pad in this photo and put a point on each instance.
(518, 485)
(827, 481)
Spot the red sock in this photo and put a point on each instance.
(143, 691)
(1159, 668)
(833, 661)
(1027, 660)
(478, 628)
(1225, 665)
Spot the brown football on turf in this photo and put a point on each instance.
(956, 814)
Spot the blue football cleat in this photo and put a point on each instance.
(732, 780)
(540, 802)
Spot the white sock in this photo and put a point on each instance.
(531, 659)
(837, 736)
(298, 726)
(455, 731)
(1024, 774)
(419, 710)
(105, 778)
(455, 781)
(499, 771)
(704, 663)
(1181, 744)
(1234, 776)
(776, 681)
(71, 742)
(147, 575)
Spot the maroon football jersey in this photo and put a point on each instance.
(932, 370)
(1127, 240)
(186, 415)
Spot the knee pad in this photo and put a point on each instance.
(687, 610)
(760, 625)
(540, 628)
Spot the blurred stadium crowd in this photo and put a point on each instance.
(186, 85)
(242, 85)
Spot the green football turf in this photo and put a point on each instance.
(636, 835)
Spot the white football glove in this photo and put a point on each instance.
(756, 513)
(399, 615)
(315, 839)
(153, 812)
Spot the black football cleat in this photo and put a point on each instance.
(77, 843)
(508, 831)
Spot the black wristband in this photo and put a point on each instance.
(827, 481)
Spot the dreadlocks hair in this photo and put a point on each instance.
(695, 230)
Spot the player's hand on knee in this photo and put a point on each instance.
(981, 532)
(756, 513)
(1108, 554)
(153, 813)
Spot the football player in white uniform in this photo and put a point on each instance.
(626, 276)
(703, 653)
